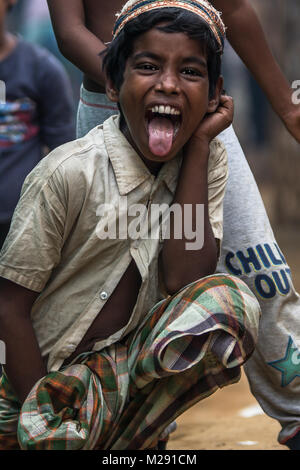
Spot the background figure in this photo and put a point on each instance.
(31, 20)
(38, 115)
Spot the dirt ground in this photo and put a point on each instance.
(222, 422)
(231, 418)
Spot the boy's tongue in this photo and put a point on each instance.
(161, 131)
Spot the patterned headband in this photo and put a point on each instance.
(133, 8)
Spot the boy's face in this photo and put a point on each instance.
(164, 95)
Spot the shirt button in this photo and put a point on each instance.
(103, 295)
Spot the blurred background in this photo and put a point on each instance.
(30, 19)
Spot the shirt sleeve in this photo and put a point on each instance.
(56, 106)
(29, 260)
(217, 178)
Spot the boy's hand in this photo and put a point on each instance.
(216, 122)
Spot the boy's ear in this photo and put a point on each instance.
(215, 100)
(111, 91)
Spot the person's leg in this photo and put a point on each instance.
(187, 347)
(124, 396)
(250, 251)
(93, 110)
(77, 407)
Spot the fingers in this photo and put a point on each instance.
(216, 122)
(226, 109)
(227, 102)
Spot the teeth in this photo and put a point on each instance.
(161, 109)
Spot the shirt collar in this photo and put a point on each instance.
(130, 170)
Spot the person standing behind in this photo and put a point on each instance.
(36, 116)
(83, 27)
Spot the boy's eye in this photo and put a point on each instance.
(191, 72)
(147, 67)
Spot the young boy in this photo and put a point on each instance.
(96, 356)
(37, 113)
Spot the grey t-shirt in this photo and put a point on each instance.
(38, 113)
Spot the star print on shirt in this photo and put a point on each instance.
(289, 365)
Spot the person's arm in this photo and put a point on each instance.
(29, 255)
(24, 365)
(181, 266)
(247, 38)
(79, 45)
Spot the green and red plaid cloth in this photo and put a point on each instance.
(124, 396)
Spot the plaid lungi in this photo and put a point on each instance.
(124, 396)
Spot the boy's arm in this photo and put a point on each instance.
(30, 253)
(75, 41)
(24, 365)
(252, 47)
(180, 265)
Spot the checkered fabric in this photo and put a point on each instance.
(124, 396)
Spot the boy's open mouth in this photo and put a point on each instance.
(163, 125)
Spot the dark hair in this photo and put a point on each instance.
(175, 20)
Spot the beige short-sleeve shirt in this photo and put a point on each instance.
(57, 245)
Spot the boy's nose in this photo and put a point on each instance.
(168, 83)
